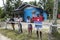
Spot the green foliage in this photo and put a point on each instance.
(49, 6)
(33, 3)
(13, 4)
(17, 4)
(1, 13)
(10, 6)
(59, 7)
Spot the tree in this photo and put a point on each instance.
(33, 3)
(17, 4)
(59, 7)
(49, 6)
(11, 5)
(1, 13)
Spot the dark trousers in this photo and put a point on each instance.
(41, 35)
(37, 33)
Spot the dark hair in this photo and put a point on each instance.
(37, 15)
(28, 17)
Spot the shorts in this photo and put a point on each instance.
(38, 26)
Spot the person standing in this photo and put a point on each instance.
(35, 19)
(19, 26)
(29, 25)
(12, 22)
(38, 22)
(41, 20)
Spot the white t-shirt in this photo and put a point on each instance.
(28, 21)
(15, 19)
(19, 20)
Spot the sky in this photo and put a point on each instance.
(1, 3)
(29, 0)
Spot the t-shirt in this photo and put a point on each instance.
(38, 21)
(29, 25)
(41, 18)
(38, 18)
(18, 20)
(28, 21)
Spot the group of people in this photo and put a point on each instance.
(37, 19)
(16, 20)
(38, 23)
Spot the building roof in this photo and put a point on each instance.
(24, 5)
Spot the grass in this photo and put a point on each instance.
(57, 35)
(23, 36)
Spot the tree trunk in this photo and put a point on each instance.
(53, 29)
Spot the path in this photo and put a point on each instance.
(2, 37)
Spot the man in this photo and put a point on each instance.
(41, 20)
(19, 25)
(12, 22)
(35, 19)
(38, 22)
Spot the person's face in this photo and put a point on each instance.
(37, 15)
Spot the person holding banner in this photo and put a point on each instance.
(41, 19)
(19, 25)
(38, 22)
(29, 25)
(12, 22)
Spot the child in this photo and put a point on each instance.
(29, 25)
